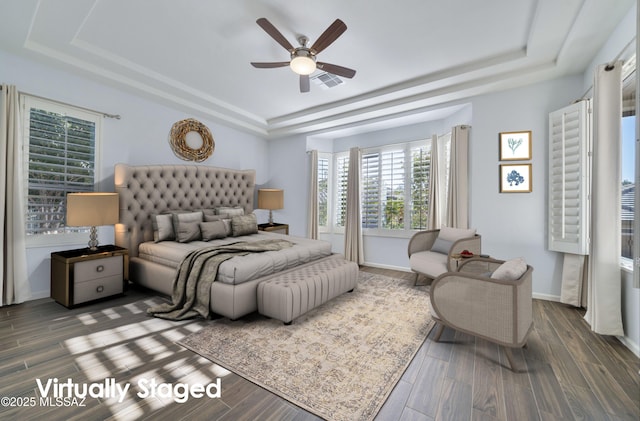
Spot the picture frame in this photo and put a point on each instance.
(516, 178)
(515, 146)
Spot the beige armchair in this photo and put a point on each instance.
(434, 252)
(486, 298)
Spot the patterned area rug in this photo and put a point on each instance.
(340, 361)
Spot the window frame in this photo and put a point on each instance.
(27, 102)
(406, 147)
(329, 158)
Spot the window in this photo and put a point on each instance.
(342, 171)
(61, 145)
(394, 187)
(628, 157)
(323, 191)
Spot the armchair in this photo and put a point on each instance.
(434, 252)
(487, 298)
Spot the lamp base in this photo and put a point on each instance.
(93, 239)
(270, 217)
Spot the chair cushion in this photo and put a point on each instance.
(455, 234)
(429, 263)
(511, 270)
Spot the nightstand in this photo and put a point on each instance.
(83, 275)
(277, 228)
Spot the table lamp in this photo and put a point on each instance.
(92, 210)
(270, 199)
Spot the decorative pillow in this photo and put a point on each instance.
(229, 211)
(511, 270)
(227, 226)
(442, 246)
(186, 226)
(208, 217)
(213, 230)
(244, 225)
(163, 227)
(455, 234)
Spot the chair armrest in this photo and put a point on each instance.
(497, 310)
(422, 241)
(473, 244)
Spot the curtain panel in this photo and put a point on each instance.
(353, 248)
(604, 311)
(458, 196)
(312, 216)
(433, 212)
(15, 285)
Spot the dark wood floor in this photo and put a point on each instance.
(567, 372)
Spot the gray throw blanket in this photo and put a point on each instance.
(192, 285)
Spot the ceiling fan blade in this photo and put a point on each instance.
(336, 70)
(275, 34)
(270, 65)
(330, 34)
(304, 83)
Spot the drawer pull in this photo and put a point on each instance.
(99, 288)
(99, 268)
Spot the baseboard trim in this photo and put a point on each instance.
(546, 297)
(390, 267)
(633, 347)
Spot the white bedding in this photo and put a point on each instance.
(240, 268)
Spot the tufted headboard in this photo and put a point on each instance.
(152, 189)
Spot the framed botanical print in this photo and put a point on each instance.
(515, 146)
(515, 178)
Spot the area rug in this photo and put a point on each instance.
(340, 361)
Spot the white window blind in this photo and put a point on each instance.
(393, 183)
(370, 204)
(323, 191)
(342, 172)
(420, 171)
(61, 145)
(569, 149)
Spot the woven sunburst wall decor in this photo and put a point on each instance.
(177, 140)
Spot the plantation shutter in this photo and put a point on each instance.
(370, 190)
(569, 156)
(342, 172)
(61, 154)
(420, 175)
(393, 182)
(323, 191)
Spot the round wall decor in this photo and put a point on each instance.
(178, 140)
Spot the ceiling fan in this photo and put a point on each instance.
(303, 58)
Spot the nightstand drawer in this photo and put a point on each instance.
(98, 268)
(97, 288)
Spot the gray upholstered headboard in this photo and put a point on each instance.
(152, 189)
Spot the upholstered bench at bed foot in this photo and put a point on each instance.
(294, 293)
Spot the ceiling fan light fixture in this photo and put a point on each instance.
(303, 65)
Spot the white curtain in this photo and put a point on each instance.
(353, 249)
(312, 217)
(15, 285)
(604, 312)
(458, 196)
(433, 213)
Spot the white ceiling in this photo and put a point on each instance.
(411, 56)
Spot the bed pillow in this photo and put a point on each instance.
(244, 225)
(213, 230)
(511, 270)
(186, 226)
(230, 211)
(163, 227)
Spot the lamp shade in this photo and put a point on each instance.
(92, 209)
(270, 199)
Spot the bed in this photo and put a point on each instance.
(151, 190)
